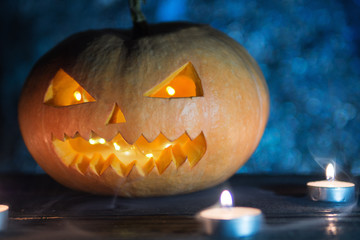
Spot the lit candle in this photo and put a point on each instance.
(4, 214)
(331, 190)
(229, 221)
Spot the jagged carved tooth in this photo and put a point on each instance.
(111, 136)
(90, 171)
(161, 138)
(84, 164)
(146, 139)
(188, 136)
(92, 135)
(194, 134)
(126, 169)
(200, 141)
(170, 170)
(157, 144)
(57, 135)
(96, 164)
(85, 134)
(121, 141)
(154, 170)
(70, 133)
(151, 136)
(164, 160)
(199, 137)
(145, 169)
(69, 158)
(182, 139)
(175, 138)
(118, 166)
(185, 167)
(80, 163)
(135, 173)
(142, 143)
(195, 149)
(77, 159)
(76, 135)
(142, 139)
(54, 138)
(65, 137)
(178, 156)
(66, 156)
(112, 162)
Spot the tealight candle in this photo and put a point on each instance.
(331, 190)
(4, 212)
(229, 221)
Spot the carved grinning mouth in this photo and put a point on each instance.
(96, 154)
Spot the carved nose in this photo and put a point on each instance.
(116, 116)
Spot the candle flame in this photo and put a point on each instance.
(116, 146)
(226, 199)
(170, 90)
(77, 96)
(330, 172)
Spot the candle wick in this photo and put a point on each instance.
(331, 178)
(226, 206)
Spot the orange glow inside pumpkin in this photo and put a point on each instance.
(65, 91)
(184, 82)
(97, 154)
(116, 116)
(170, 91)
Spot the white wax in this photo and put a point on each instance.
(4, 214)
(330, 184)
(228, 213)
(4, 208)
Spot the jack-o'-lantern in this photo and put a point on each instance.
(175, 110)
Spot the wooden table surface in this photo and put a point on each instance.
(40, 208)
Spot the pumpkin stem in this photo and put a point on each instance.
(140, 27)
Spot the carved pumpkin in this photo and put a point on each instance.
(178, 110)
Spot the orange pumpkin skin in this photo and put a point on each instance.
(116, 69)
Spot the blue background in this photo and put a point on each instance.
(309, 52)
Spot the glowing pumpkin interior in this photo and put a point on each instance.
(184, 82)
(97, 154)
(116, 116)
(65, 91)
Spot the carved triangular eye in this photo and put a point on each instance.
(65, 91)
(182, 83)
